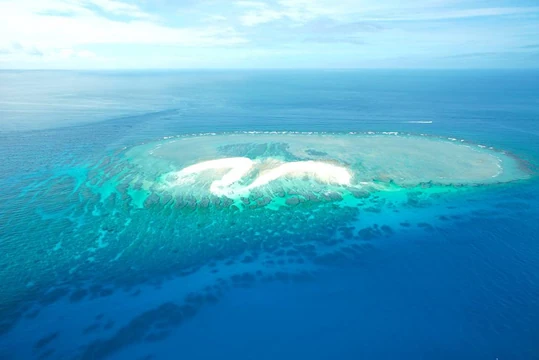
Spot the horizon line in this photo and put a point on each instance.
(271, 69)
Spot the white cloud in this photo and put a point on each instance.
(263, 16)
(214, 18)
(302, 11)
(119, 8)
(62, 32)
(53, 26)
(457, 14)
(86, 54)
(294, 10)
(251, 4)
(17, 49)
(66, 53)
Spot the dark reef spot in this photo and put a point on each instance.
(32, 314)
(405, 224)
(335, 196)
(286, 243)
(78, 295)
(212, 299)
(106, 292)
(369, 233)
(330, 241)
(307, 249)
(188, 311)
(96, 289)
(332, 259)
(90, 329)
(165, 316)
(108, 325)
(349, 250)
(204, 203)
(282, 276)
(47, 354)
(512, 205)
(347, 232)
(195, 298)
(425, 226)
(147, 357)
(387, 229)
(158, 336)
(190, 271)
(293, 200)
(360, 194)
(313, 152)
(53, 295)
(245, 278)
(484, 213)
(279, 252)
(44, 341)
(7, 324)
(302, 277)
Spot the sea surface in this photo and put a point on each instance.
(91, 268)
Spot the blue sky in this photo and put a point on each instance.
(129, 34)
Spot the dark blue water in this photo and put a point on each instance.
(466, 288)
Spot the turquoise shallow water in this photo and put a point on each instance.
(96, 263)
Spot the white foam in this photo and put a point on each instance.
(239, 167)
(321, 171)
(230, 183)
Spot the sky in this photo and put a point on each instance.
(167, 34)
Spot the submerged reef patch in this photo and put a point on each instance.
(316, 163)
(271, 203)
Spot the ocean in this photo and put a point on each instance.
(97, 264)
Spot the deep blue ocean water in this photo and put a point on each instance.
(467, 288)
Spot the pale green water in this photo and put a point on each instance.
(275, 164)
